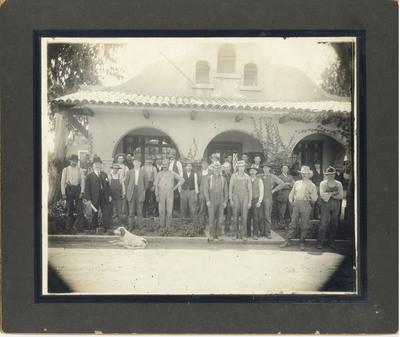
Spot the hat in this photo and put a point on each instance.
(330, 171)
(158, 156)
(188, 162)
(96, 159)
(115, 166)
(253, 167)
(216, 165)
(149, 160)
(266, 163)
(214, 155)
(305, 169)
(165, 161)
(73, 157)
(204, 160)
(120, 154)
(317, 161)
(171, 154)
(241, 163)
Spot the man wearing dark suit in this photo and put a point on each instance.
(283, 194)
(317, 177)
(136, 183)
(97, 190)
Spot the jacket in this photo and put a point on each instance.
(92, 187)
(130, 184)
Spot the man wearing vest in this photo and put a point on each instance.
(302, 195)
(176, 166)
(203, 174)
(316, 177)
(149, 208)
(283, 195)
(164, 188)
(216, 194)
(240, 196)
(117, 187)
(331, 192)
(255, 212)
(189, 192)
(272, 184)
(227, 174)
(72, 190)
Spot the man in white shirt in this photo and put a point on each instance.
(255, 212)
(72, 190)
(176, 166)
(302, 196)
(202, 177)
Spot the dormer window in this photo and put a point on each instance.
(250, 74)
(226, 58)
(202, 72)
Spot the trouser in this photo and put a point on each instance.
(116, 207)
(267, 223)
(282, 207)
(240, 207)
(134, 206)
(202, 209)
(177, 199)
(104, 205)
(216, 214)
(125, 207)
(329, 220)
(74, 203)
(228, 217)
(316, 212)
(301, 209)
(255, 214)
(165, 206)
(149, 209)
(188, 198)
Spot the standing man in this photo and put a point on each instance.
(98, 193)
(158, 164)
(302, 195)
(164, 188)
(255, 213)
(128, 161)
(149, 209)
(176, 166)
(240, 196)
(257, 161)
(117, 187)
(283, 194)
(272, 184)
(189, 192)
(228, 161)
(226, 172)
(85, 164)
(136, 183)
(331, 192)
(216, 194)
(316, 178)
(120, 159)
(245, 158)
(214, 158)
(72, 190)
(203, 174)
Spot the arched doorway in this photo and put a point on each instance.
(234, 143)
(146, 143)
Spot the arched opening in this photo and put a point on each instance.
(234, 143)
(250, 74)
(202, 72)
(146, 143)
(226, 58)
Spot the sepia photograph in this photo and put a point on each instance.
(199, 166)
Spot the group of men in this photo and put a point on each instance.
(237, 198)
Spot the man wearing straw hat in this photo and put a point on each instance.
(240, 196)
(302, 195)
(331, 192)
(216, 194)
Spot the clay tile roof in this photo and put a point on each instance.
(107, 97)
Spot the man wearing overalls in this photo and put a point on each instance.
(216, 194)
(240, 196)
(117, 187)
(302, 195)
(331, 192)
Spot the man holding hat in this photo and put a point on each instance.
(189, 192)
(203, 174)
(255, 213)
(72, 190)
(331, 192)
(98, 194)
(302, 195)
(164, 189)
(272, 184)
(240, 196)
(117, 187)
(216, 194)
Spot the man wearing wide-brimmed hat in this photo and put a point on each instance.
(240, 196)
(216, 194)
(117, 188)
(331, 192)
(272, 184)
(189, 191)
(302, 195)
(72, 190)
(255, 212)
(98, 193)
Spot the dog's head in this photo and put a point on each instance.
(121, 231)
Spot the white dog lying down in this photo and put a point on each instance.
(128, 240)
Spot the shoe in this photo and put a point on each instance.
(234, 237)
(210, 239)
(302, 246)
(268, 236)
(255, 237)
(285, 244)
(319, 245)
(244, 238)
